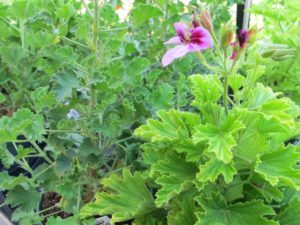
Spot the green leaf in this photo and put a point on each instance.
(62, 164)
(87, 147)
(64, 86)
(26, 218)
(251, 144)
(176, 175)
(22, 122)
(10, 182)
(26, 199)
(23, 9)
(143, 12)
(280, 167)
(182, 211)
(220, 139)
(213, 168)
(173, 126)
(42, 99)
(2, 98)
(162, 97)
(260, 95)
(6, 158)
(247, 213)
(59, 221)
(128, 198)
(290, 215)
(206, 89)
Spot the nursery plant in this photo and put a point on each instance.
(281, 25)
(228, 159)
(75, 81)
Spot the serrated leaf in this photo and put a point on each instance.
(128, 198)
(218, 212)
(260, 95)
(59, 221)
(290, 215)
(280, 167)
(64, 86)
(162, 97)
(213, 168)
(182, 211)
(176, 176)
(26, 199)
(206, 89)
(143, 12)
(171, 127)
(220, 139)
(42, 99)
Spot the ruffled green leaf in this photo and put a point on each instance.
(280, 167)
(183, 211)
(217, 211)
(206, 89)
(213, 168)
(128, 197)
(291, 215)
(173, 125)
(220, 139)
(176, 175)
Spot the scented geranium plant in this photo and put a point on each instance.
(227, 160)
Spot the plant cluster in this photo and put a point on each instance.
(79, 84)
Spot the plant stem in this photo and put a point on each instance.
(203, 60)
(113, 29)
(45, 210)
(225, 96)
(78, 198)
(44, 170)
(75, 42)
(22, 32)
(87, 8)
(41, 152)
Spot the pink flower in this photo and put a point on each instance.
(243, 38)
(187, 40)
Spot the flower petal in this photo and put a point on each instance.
(201, 37)
(173, 41)
(181, 30)
(174, 53)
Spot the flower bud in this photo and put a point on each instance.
(278, 52)
(205, 20)
(226, 36)
(252, 32)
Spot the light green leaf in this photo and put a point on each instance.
(129, 198)
(176, 175)
(143, 12)
(290, 215)
(162, 97)
(182, 211)
(280, 167)
(220, 139)
(213, 168)
(173, 126)
(206, 89)
(247, 213)
(260, 95)
(2, 98)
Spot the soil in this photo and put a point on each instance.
(50, 199)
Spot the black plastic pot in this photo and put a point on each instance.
(15, 170)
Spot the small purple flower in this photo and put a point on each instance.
(73, 114)
(187, 40)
